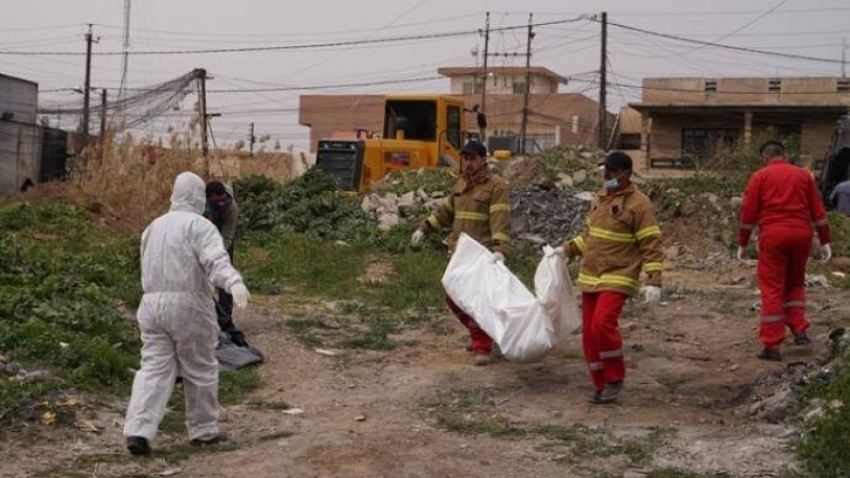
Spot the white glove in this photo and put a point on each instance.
(416, 238)
(825, 252)
(240, 295)
(742, 253)
(499, 257)
(652, 294)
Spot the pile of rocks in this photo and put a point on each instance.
(539, 215)
(10, 368)
(546, 208)
(390, 208)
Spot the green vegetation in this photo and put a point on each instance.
(823, 446)
(63, 285)
(310, 205)
(67, 291)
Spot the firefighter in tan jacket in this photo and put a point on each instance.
(621, 239)
(478, 205)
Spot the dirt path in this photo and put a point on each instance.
(426, 411)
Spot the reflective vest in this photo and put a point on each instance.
(621, 238)
(480, 209)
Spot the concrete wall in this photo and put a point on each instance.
(666, 137)
(20, 155)
(504, 84)
(20, 138)
(571, 115)
(792, 91)
(815, 140)
(18, 97)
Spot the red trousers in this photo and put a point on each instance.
(482, 344)
(783, 253)
(603, 344)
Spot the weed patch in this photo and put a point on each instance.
(63, 285)
(475, 412)
(823, 447)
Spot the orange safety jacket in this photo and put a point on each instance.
(480, 208)
(620, 239)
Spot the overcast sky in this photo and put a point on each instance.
(812, 28)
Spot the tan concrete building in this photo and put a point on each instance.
(554, 118)
(687, 123)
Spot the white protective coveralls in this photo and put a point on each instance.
(183, 257)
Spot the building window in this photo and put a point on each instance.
(704, 144)
(537, 142)
(629, 141)
(843, 85)
(520, 88)
(470, 88)
(711, 86)
(774, 85)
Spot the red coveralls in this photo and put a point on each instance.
(783, 201)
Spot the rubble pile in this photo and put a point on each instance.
(547, 216)
(775, 397)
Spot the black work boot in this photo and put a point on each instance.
(801, 338)
(217, 438)
(595, 397)
(770, 355)
(138, 446)
(610, 392)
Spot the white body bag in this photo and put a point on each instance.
(525, 326)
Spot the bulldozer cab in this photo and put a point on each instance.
(419, 131)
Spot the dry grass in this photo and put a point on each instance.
(131, 179)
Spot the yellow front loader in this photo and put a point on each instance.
(419, 131)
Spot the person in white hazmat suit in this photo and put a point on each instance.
(183, 259)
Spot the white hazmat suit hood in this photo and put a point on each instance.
(182, 258)
(188, 194)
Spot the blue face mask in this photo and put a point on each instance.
(612, 183)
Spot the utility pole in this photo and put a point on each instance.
(124, 64)
(201, 75)
(844, 57)
(86, 88)
(524, 126)
(484, 80)
(251, 139)
(102, 117)
(603, 84)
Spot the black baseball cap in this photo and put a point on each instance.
(473, 148)
(617, 161)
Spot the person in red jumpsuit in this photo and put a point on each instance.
(783, 201)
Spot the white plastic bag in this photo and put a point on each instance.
(555, 292)
(504, 308)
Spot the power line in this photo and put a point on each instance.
(284, 88)
(333, 44)
(742, 27)
(332, 86)
(718, 45)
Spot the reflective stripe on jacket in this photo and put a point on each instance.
(620, 239)
(480, 209)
